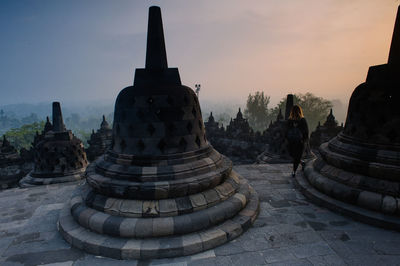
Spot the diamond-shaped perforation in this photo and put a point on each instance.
(140, 115)
(122, 144)
(194, 112)
(198, 141)
(183, 143)
(130, 128)
(151, 129)
(161, 145)
(189, 127)
(140, 145)
(171, 127)
(181, 113)
(170, 101)
(118, 129)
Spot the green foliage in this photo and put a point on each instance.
(23, 137)
(84, 136)
(315, 109)
(257, 111)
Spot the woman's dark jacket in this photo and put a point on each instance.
(301, 124)
(296, 149)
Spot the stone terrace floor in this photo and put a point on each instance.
(288, 231)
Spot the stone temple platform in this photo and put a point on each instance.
(288, 231)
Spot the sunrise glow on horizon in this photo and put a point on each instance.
(88, 50)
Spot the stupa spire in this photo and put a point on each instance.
(394, 54)
(289, 105)
(156, 55)
(58, 123)
(280, 116)
(104, 123)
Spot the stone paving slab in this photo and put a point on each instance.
(288, 231)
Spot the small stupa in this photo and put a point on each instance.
(277, 150)
(59, 156)
(161, 190)
(359, 170)
(12, 166)
(239, 128)
(326, 132)
(213, 130)
(100, 141)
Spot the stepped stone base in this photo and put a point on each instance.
(31, 181)
(345, 193)
(11, 175)
(149, 229)
(10, 181)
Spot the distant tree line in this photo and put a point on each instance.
(23, 136)
(9, 121)
(259, 115)
(21, 132)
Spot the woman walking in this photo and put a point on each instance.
(297, 136)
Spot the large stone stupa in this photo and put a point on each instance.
(59, 156)
(161, 190)
(359, 171)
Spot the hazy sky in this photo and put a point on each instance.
(87, 50)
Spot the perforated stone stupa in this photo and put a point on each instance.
(326, 132)
(100, 141)
(161, 190)
(12, 166)
(59, 156)
(359, 172)
(238, 141)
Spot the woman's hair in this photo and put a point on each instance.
(296, 113)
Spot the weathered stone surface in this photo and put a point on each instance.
(161, 190)
(298, 233)
(12, 165)
(370, 200)
(389, 205)
(59, 155)
(361, 165)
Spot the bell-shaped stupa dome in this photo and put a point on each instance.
(359, 169)
(59, 156)
(161, 190)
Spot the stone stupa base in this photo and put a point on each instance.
(10, 181)
(150, 229)
(31, 181)
(346, 193)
